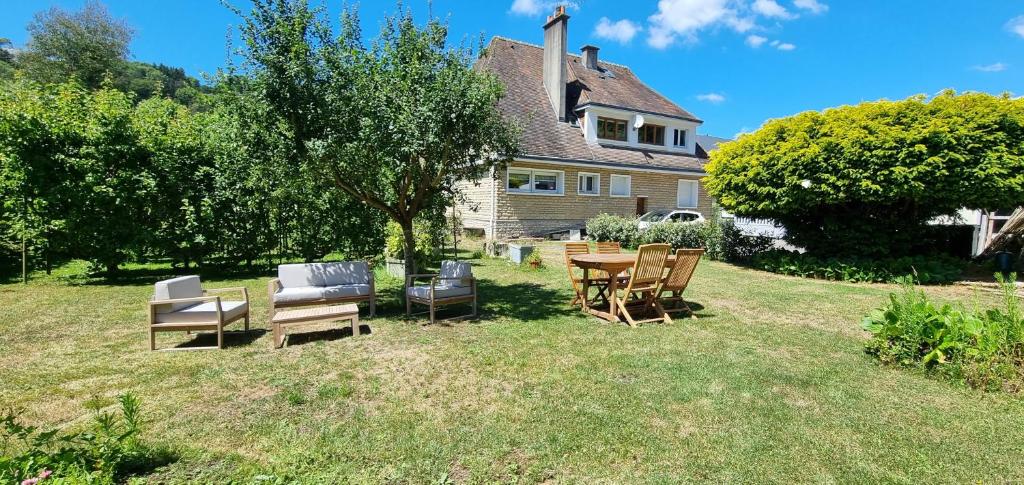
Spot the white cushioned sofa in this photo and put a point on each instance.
(181, 304)
(322, 283)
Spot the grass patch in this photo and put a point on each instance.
(770, 384)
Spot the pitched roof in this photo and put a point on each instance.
(707, 143)
(520, 66)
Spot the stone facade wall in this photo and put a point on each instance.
(520, 215)
(475, 210)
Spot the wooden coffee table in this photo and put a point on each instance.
(304, 316)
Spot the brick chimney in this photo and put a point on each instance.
(590, 57)
(555, 32)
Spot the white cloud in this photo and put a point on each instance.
(812, 6)
(537, 7)
(755, 41)
(685, 18)
(1016, 25)
(771, 9)
(785, 46)
(713, 98)
(997, 67)
(621, 31)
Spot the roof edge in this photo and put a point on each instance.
(601, 164)
(627, 108)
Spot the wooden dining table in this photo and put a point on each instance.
(612, 264)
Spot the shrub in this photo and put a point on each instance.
(426, 242)
(608, 227)
(985, 349)
(931, 269)
(108, 452)
(864, 180)
(534, 260)
(720, 239)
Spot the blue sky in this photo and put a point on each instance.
(734, 63)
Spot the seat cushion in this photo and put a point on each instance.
(204, 312)
(344, 273)
(440, 291)
(346, 291)
(455, 269)
(300, 275)
(175, 288)
(299, 294)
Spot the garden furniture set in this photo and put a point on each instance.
(301, 294)
(642, 276)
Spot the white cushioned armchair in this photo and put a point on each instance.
(181, 304)
(322, 283)
(454, 284)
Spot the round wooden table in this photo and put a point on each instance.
(612, 264)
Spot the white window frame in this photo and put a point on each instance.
(629, 185)
(533, 180)
(597, 184)
(695, 192)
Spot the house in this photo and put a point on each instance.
(595, 139)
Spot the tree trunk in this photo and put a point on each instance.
(24, 258)
(410, 247)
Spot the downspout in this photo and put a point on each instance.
(494, 203)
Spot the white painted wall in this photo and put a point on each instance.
(590, 129)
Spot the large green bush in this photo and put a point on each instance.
(984, 348)
(720, 239)
(930, 269)
(609, 227)
(864, 180)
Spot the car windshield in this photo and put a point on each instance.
(654, 216)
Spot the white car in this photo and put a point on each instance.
(658, 216)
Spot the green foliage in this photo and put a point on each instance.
(395, 123)
(609, 227)
(985, 348)
(109, 451)
(875, 173)
(930, 269)
(720, 239)
(427, 240)
(86, 45)
(534, 260)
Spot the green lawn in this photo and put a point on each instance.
(770, 384)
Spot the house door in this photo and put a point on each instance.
(641, 205)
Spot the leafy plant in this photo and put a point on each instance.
(931, 269)
(984, 348)
(108, 451)
(609, 227)
(534, 260)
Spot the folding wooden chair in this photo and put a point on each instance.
(573, 249)
(644, 281)
(608, 247)
(676, 281)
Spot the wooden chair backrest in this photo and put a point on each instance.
(573, 249)
(608, 247)
(649, 266)
(681, 272)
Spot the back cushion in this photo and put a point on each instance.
(299, 275)
(180, 287)
(455, 269)
(345, 273)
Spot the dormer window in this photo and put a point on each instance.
(651, 135)
(611, 129)
(679, 138)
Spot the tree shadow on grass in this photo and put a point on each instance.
(300, 337)
(523, 301)
(232, 338)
